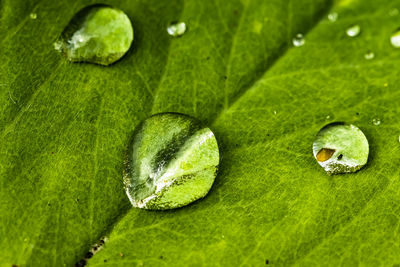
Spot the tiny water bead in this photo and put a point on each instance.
(376, 121)
(97, 34)
(395, 38)
(176, 29)
(298, 40)
(341, 148)
(369, 55)
(33, 16)
(353, 30)
(332, 17)
(172, 161)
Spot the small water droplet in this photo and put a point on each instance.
(275, 112)
(328, 117)
(353, 30)
(172, 161)
(176, 29)
(97, 34)
(332, 17)
(376, 121)
(299, 40)
(393, 12)
(395, 38)
(341, 148)
(399, 138)
(369, 55)
(33, 16)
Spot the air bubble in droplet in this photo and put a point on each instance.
(298, 40)
(176, 29)
(376, 121)
(353, 30)
(369, 55)
(332, 17)
(341, 148)
(395, 38)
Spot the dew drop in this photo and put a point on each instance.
(33, 16)
(395, 38)
(393, 12)
(353, 30)
(176, 29)
(172, 161)
(97, 34)
(298, 40)
(341, 148)
(376, 121)
(332, 17)
(369, 55)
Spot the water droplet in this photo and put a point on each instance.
(369, 55)
(176, 29)
(353, 30)
(298, 40)
(172, 161)
(33, 16)
(332, 17)
(341, 148)
(376, 121)
(97, 34)
(328, 117)
(393, 12)
(395, 38)
(275, 112)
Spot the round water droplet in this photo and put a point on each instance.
(97, 34)
(376, 121)
(393, 12)
(341, 148)
(33, 16)
(395, 38)
(172, 161)
(298, 40)
(353, 30)
(369, 55)
(332, 17)
(176, 29)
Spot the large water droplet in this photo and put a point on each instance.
(341, 148)
(172, 161)
(176, 29)
(298, 40)
(395, 38)
(369, 55)
(33, 16)
(353, 30)
(376, 121)
(332, 17)
(98, 34)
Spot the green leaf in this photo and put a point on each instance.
(65, 128)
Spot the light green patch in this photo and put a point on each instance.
(341, 148)
(257, 26)
(97, 34)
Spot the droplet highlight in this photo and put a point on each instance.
(376, 121)
(369, 55)
(353, 30)
(341, 148)
(172, 161)
(332, 17)
(176, 29)
(395, 39)
(298, 40)
(98, 34)
(33, 16)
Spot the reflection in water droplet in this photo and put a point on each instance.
(98, 34)
(393, 12)
(376, 121)
(176, 29)
(395, 38)
(298, 40)
(33, 16)
(341, 148)
(332, 17)
(353, 30)
(369, 55)
(172, 161)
